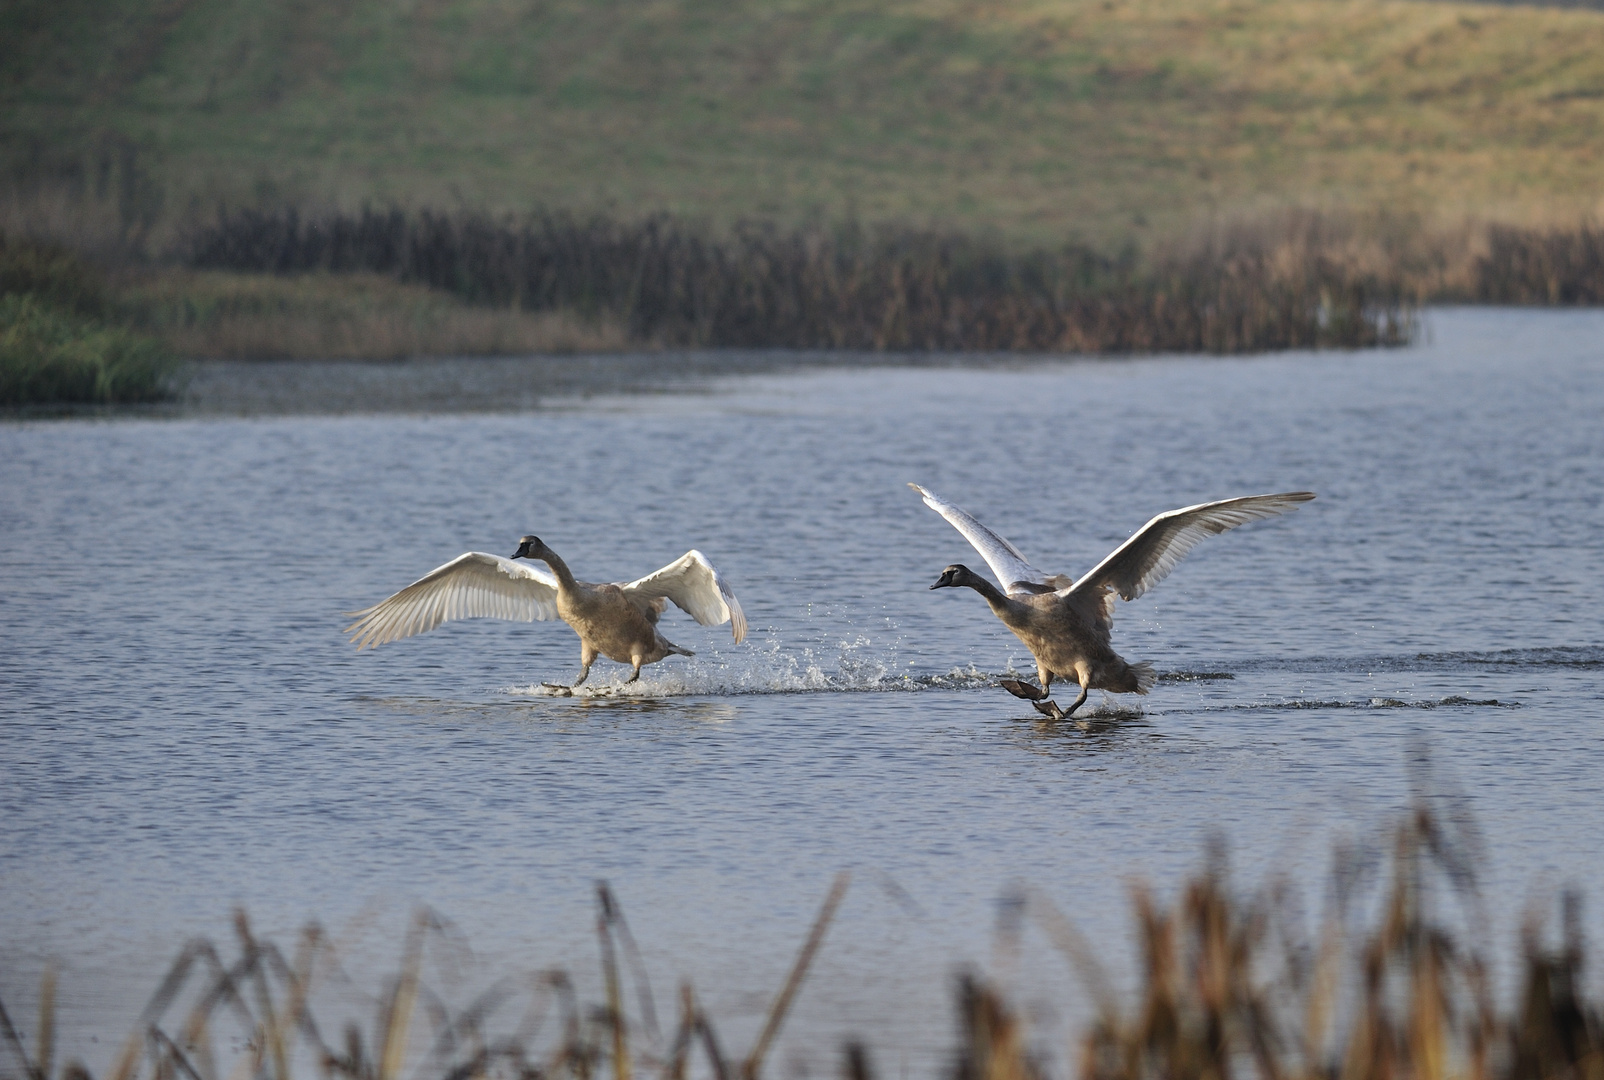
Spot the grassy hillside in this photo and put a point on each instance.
(1041, 119)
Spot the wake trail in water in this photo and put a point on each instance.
(1565, 656)
(866, 666)
(1299, 704)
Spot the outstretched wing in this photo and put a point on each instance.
(471, 586)
(696, 586)
(1013, 570)
(1147, 557)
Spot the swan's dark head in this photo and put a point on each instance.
(954, 576)
(529, 547)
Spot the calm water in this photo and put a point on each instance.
(183, 728)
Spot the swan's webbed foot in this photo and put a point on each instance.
(1022, 689)
(568, 691)
(1051, 710)
(634, 676)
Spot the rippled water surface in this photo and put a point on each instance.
(183, 727)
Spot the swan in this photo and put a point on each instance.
(618, 621)
(1066, 623)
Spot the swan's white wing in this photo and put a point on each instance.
(696, 586)
(1147, 557)
(471, 586)
(1006, 561)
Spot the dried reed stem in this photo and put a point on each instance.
(793, 982)
(1228, 989)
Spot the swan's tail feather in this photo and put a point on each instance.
(1143, 676)
(1128, 679)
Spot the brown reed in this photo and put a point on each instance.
(267, 998)
(850, 288)
(359, 316)
(1542, 266)
(1233, 988)
(304, 283)
(1393, 986)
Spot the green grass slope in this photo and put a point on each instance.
(1103, 119)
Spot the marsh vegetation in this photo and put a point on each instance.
(759, 286)
(61, 339)
(381, 285)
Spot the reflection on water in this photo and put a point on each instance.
(692, 710)
(498, 384)
(1089, 731)
(183, 727)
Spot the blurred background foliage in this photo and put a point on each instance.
(1042, 120)
(1099, 175)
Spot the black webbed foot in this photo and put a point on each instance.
(1024, 690)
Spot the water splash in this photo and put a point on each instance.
(856, 665)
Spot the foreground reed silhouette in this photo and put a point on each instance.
(1394, 987)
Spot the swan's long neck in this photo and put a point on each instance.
(994, 596)
(565, 577)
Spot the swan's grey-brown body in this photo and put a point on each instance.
(1067, 642)
(1067, 624)
(618, 621)
(609, 621)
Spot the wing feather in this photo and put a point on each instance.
(1153, 551)
(1006, 561)
(471, 586)
(696, 587)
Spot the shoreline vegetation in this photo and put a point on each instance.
(1091, 175)
(94, 314)
(1391, 984)
(62, 339)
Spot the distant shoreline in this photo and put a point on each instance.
(447, 385)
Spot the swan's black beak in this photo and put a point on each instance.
(522, 552)
(944, 581)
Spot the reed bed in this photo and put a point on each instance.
(392, 283)
(675, 284)
(1392, 985)
(1542, 266)
(356, 316)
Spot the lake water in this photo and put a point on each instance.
(184, 729)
